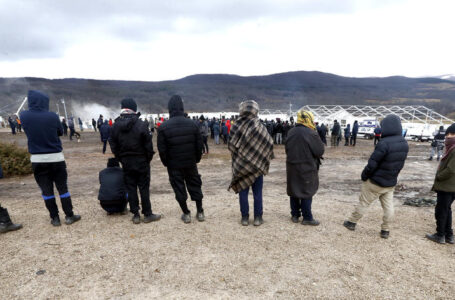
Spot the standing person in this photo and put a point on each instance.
(380, 175)
(19, 124)
(355, 131)
(71, 127)
(12, 125)
(279, 132)
(5, 222)
(437, 145)
(99, 122)
(216, 132)
(286, 129)
(444, 186)
(65, 127)
(251, 148)
(323, 134)
(377, 134)
(112, 193)
(180, 148)
(132, 145)
(304, 150)
(43, 129)
(105, 132)
(111, 123)
(224, 132)
(336, 129)
(204, 129)
(347, 134)
(81, 125)
(94, 124)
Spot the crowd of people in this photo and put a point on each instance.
(181, 142)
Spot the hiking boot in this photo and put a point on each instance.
(186, 218)
(10, 226)
(56, 221)
(311, 223)
(151, 218)
(245, 220)
(384, 234)
(349, 225)
(72, 219)
(436, 238)
(258, 221)
(200, 216)
(295, 219)
(450, 239)
(136, 219)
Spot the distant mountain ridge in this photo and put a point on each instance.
(223, 92)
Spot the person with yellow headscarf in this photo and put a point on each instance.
(304, 150)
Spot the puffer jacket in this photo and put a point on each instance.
(179, 138)
(389, 155)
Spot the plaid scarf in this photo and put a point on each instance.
(251, 147)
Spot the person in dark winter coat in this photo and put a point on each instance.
(224, 132)
(132, 145)
(355, 131)
(71, 127)
(381, 173)
(377, 134)
(180, 148)
(347, 134)
(94, 124)
(216, 132)
(323, 134)
(99, 122)
(12, 125)
(81, 125)
(105, 132)
(43, 129)
(438, 143)
(5, 222)
(444, 186)
(112, 194)
(65, 127)
(204, 129)
(336, 131)
(304, 150)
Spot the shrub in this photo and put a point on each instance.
(14, 160)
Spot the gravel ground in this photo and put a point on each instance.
(108, 257)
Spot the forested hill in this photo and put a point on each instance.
(218, 92)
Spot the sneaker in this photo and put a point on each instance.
(56, 221)
(151, 218)
(450, 239)
(349, 225)
(295, 219)
(258, 221)
(436, 238)
(5, 227)
(311, 223)
(245, 220)
(136, 219)
(384, 234)
(72, 219)
(186, 218)
(200, 216)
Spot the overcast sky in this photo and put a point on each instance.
(161, 40)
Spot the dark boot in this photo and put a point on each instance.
(349, 225)
(55, 221)
(311, 223)
(186, 218)
(258, 221)
(136, 219)
(436, 238)
(295, 219)
(151, 218)
(6, 224)
(384, 234)
(200, 216)
(450, 239)
(245, 220)
(72, 219)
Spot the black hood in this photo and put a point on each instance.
(37, 101)
(126, 122)
(175, 106)
(391, 125)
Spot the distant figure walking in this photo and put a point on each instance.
(437, 145)
(94, 124)
(65, 127)
(347, 134)
(377, 134)
(251, 148)
(12, 125)
(81, 125)
(105, 132)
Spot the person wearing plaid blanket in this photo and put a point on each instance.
(251, 148)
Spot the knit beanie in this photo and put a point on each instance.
(130, 104)
(451, 129)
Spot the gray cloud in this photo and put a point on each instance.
(46, 28)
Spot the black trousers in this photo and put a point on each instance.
(136, 174)
(183, 179)
(346, 141)
(205, 148)
(443, 213)
(353, 139)
(376, 139)
(48, 174)
(4, 217)
(104, 146)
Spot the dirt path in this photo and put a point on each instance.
(104, 257)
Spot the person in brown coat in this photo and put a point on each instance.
(444, 186)
(304, 150)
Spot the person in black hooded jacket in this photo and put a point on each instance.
(112, 193)
(180, 147)
(132, 145)
(381, 173)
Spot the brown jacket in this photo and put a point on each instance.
(445, 176)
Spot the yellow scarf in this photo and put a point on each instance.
(306, 118)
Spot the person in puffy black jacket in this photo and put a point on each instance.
(132, 145)
(112, 193)
(381, 173)
(180, 147)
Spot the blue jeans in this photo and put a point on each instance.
(257, 194)
(301, 207)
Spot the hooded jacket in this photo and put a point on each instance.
(179, 138)
(105, 131)
(41, 126)
(130, 137)
(389, 155)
